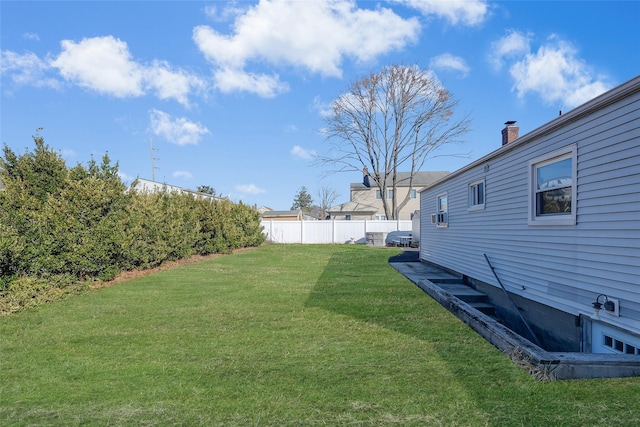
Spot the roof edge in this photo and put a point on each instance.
(613, 95)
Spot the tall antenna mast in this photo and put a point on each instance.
(153, 159)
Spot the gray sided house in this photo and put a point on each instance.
(557, 213)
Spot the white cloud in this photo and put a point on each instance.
(168, 83)
(102, 64)
(323, 108)
(105, 65)
(182, 174)
(226, 13)
(311, 35)
(249, 189)
(447, 61)
(31, 36)
(230, 80)
(514, 44)
(465, 12)
(68, 153)
(26, 69)
(179, 131)
(302, 153)
(557, 75)
(124, 177)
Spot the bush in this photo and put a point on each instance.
(82, 223)
(24, 292)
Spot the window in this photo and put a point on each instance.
(442, 215)
(553, 189)
(414, 193)
(619, 346)
(381, 217)
(389, 195)
(347, 217)
(476, 195)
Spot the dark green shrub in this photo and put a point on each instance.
(83, 224)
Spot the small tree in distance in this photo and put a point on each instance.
(327, 196)
(389, 122)
(206, 189)
(302, 200)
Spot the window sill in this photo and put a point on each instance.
(553, 221)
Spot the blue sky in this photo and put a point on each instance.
(233, 94)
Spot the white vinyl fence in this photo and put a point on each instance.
(334, 231)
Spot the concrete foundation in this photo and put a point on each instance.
(541, 363)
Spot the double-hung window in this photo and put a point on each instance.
(389, 194)
(552, 183)
(476, 195)
(442, 215)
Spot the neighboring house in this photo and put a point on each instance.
(263, 209)
(352, 211)
(294, 215)
(557, 212)
(366, 202)
(148, 186)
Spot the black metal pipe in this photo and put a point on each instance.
(535, 338)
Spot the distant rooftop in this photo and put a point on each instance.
(420, 179)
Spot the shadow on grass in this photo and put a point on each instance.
(370, 290)
(362, 285)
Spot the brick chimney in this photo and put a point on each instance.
(510, 132)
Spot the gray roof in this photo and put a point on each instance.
(420, 179)
(280, 213)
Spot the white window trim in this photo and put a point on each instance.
(567, 152)
(445, 223)
(479, 206)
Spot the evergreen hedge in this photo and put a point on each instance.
(61, 227)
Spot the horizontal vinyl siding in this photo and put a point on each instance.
(561, 266)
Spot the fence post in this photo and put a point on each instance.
(333, 230)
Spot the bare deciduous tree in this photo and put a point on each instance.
(389, 122)
(326, 196)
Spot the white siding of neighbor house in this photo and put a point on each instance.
(562, 266)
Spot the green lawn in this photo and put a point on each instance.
(283, 335)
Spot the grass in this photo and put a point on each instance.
(284, 335)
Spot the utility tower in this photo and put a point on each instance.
(153, 159)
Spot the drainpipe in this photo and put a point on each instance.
(535, 338)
